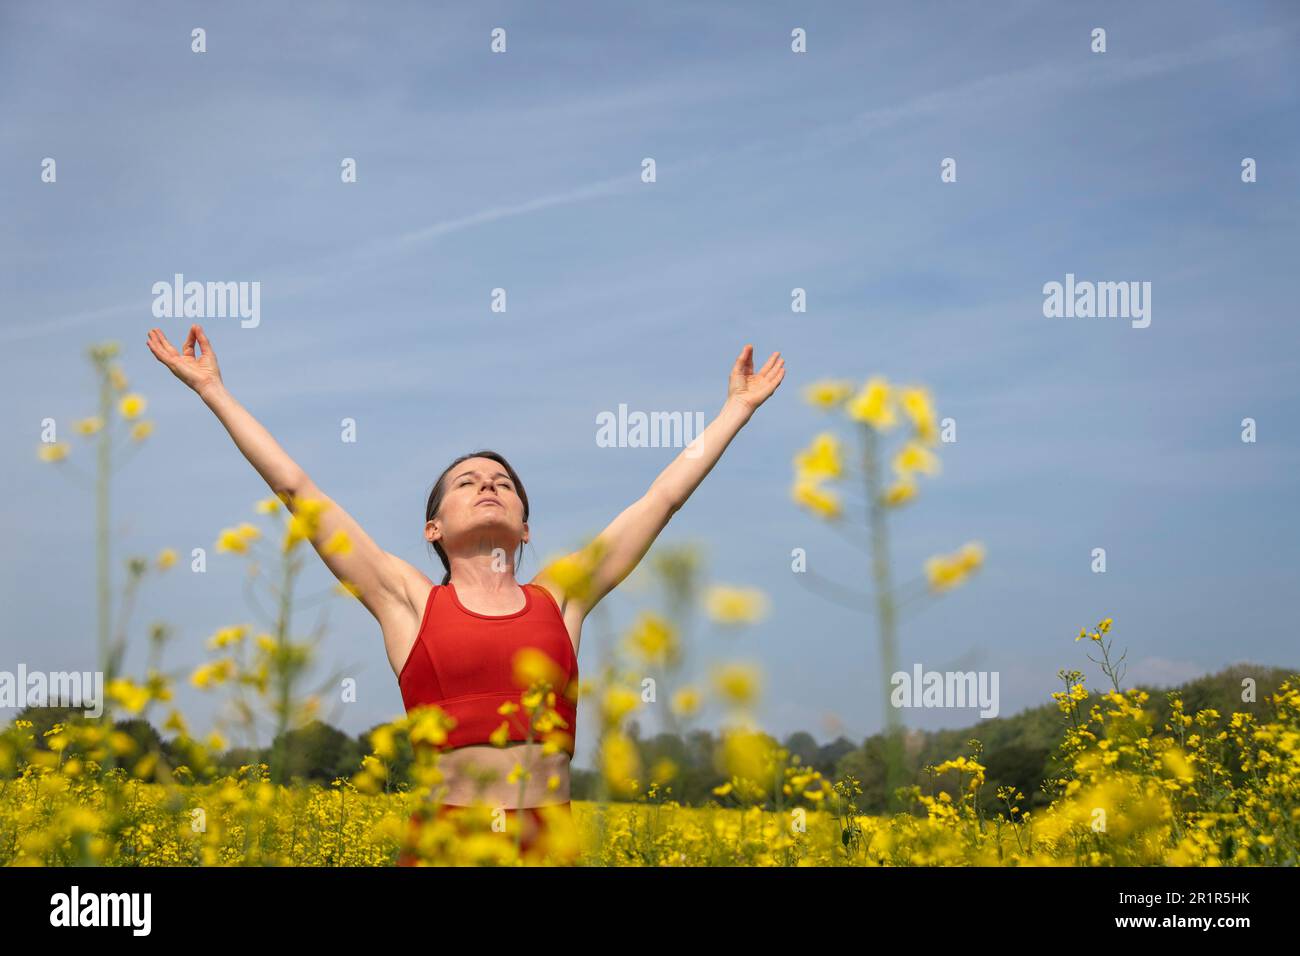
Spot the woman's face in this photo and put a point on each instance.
(479, 503)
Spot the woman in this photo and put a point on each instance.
(452, 644)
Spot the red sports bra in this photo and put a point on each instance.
(463, 662)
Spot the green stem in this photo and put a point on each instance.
(885, 610)
(102, 569)
(283, 669)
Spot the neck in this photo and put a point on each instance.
(481, 574)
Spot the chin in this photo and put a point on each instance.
(492, 518)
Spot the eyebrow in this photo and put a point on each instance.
(466, 474)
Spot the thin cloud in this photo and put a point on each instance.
(42, 327)
(1040, 81)
(604, 187)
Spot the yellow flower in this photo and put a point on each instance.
(728, 605)
(686, 701)
(947, 571)
(827, 393)
(971, 555)
(213, 673)
(747, 756)
(249, 532)
(964, 765)
(304, 522)
(141, 430)
(738, 683)
(132, 697)
(821, 459)
(338, 543)
(664, 771)
(268, 505)
(383, 742)
(653, 639)
(942, 573)
(575, 573)
(899, 493)
(533, 666)
(914, 457)
(227, 636)
(620, 763)
(117, 378)
(617, 703)
(501, 736)
(874, 405)
(819, 500)
(89, 426)
(176, 721)
(232, 540)
(131, 406)
(916, 403)
(429, 724)
(166, 558)
(54, 451)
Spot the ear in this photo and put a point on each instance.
(431, 531)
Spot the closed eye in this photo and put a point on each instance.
(470, 481)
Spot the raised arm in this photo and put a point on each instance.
(380, 579)
(623, 544)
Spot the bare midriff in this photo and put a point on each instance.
(480, 774)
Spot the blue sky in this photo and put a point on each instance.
(775, 171)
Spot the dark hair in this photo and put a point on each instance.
(439, 490)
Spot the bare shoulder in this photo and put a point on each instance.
(551, 588)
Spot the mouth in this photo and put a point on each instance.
(488, 501)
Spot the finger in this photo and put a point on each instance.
(771, 360)
(189, 342)
(160, 352)
(167, 349)
(204, 343)
(740, 359)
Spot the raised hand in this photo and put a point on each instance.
(198, 372)
(749, 388)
